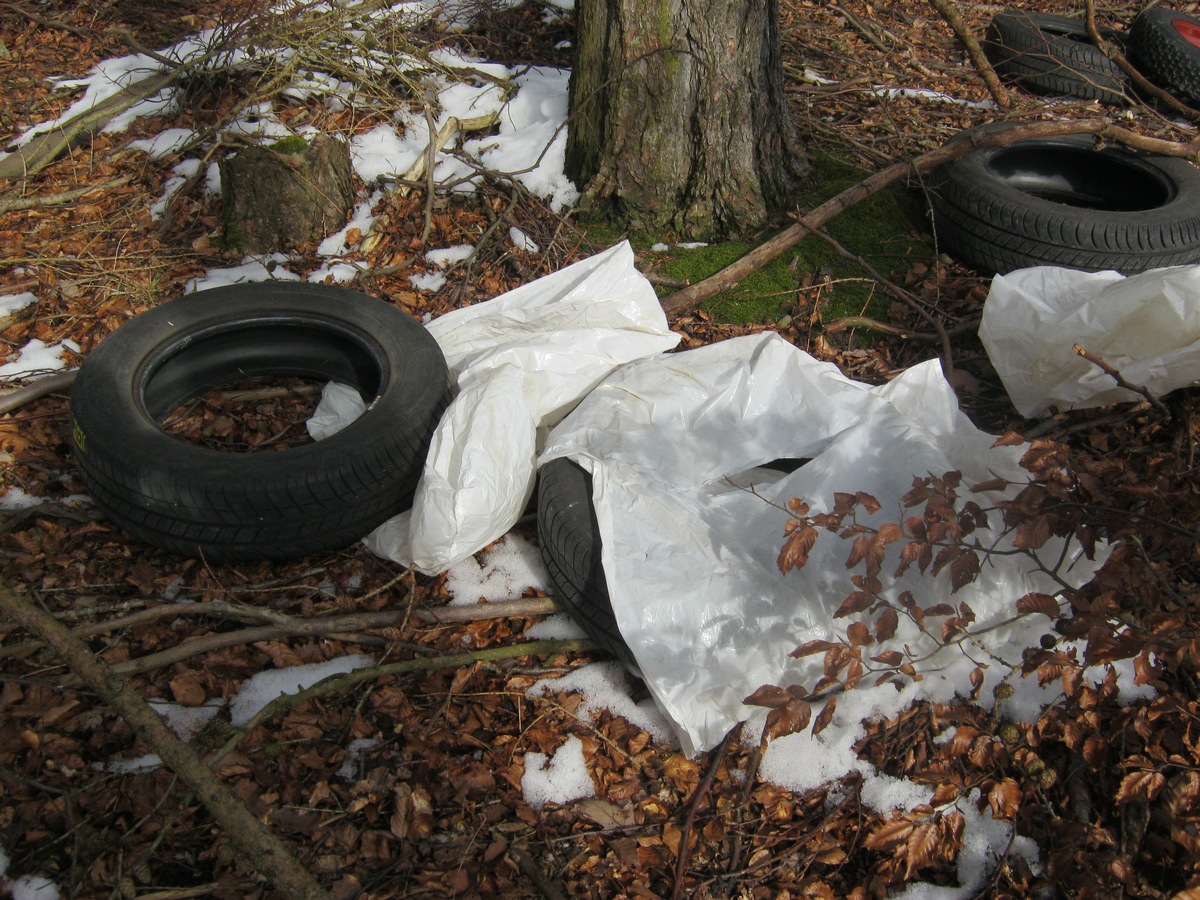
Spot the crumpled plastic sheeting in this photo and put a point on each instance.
(1146, 326)
(520, 362)
(690, 560)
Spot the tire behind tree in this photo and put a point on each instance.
(1166, 45)
(1048, 54)
(570, 543)
(218, 505)
(1058, 201)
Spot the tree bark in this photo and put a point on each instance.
(679, 120)
(279, 198)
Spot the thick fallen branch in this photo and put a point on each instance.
(949, 12)
(35, 390)
(249, 836)
(44, 148)
(680, 301)
(331, 625)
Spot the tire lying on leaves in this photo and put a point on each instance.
(220, 505)
(1048, 54)
(1166, 46)
(1058, 201)
(570, 544)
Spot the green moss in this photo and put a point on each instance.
(882, 229)
(293, 143)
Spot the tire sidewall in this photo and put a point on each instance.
(110, 423)
(1184, 181)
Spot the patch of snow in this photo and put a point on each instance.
(560, 778)
(522, 241)
(17, 498)
(504, 572)
(266, 268)
(259, 690)
(382, 152)
(559, 627)
(337, 273)
(533, 137)
(139, 765)
(182, 173)
(361, 218)
(165, 142)
(349, 768)
(606, 685)
(11, 303)
(38, 356)
(33, 887)
(428, 281)
(186, 721)
(445, 257)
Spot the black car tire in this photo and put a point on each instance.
(197, 501)
(1048, 54)
(1166, 46)
(570, 544)
(1059, 201)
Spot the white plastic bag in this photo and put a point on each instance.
(690, 560)
(520, 362)
(1146, 326)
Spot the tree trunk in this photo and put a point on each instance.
(679, 119)
(282, 197)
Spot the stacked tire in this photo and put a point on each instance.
(1166, 46)
(1047, 54)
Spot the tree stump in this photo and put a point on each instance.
(280, 197)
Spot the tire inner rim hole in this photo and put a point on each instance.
(254, 385)
(1081, 178)
(257, 414)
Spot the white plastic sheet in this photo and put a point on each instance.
(519, 362)
(1146, 326)
(690, 560)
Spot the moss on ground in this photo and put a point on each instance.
(883, 229)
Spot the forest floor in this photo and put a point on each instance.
(1108, 793)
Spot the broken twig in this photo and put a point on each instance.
(1121, 382)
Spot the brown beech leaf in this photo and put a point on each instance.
(825, 716)
(789, 719)
(769, 695)
(809, 648)
(964, 570)
(858, 634)
(886, 624)
(889, 835)
(796, 549)
(797, 507)
(869, 503)
(1035, 602)
(889, 658)
(1005, 798)
(1032, 534)
(855, 603)
(1142, 785)
(920, 848)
